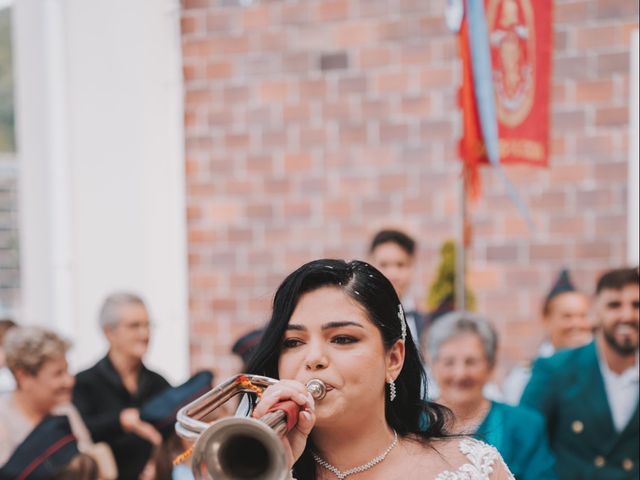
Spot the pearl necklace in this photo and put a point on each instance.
(366, 466)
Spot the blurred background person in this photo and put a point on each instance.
(50, 452)
(565, 317)
(244, 346)
(37, 359)
(393, 253)
(7, 382)
(109, 394)
(461, 348)
(589, 395)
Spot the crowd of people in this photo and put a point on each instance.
(410, 395)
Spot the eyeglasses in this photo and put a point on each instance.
(140, 325)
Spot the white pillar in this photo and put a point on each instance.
(100, 140)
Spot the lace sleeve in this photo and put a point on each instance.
(484, 463)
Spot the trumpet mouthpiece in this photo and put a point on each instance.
(317, 388)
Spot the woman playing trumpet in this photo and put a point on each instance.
(342, 323)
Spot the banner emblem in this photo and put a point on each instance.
(512, 39)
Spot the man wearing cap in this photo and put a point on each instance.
(109, 395)
(589, 395)
(565, 317)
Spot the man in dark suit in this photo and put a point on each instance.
(109, 395)
(589, 395)
(393, 253)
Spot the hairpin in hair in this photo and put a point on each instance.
(403, 321)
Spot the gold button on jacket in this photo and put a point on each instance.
(577, 426)
(599, 461)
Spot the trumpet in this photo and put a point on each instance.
(240, 448)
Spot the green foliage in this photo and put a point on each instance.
(7, 134)
(444, 285)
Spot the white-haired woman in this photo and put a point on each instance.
(461, 348)
(110, 394)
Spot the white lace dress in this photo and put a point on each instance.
(483, 461)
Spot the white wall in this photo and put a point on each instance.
(100, 139)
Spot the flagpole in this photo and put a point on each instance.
(461, 254)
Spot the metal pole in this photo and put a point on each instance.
(460, 261)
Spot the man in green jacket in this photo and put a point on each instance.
(589, 395)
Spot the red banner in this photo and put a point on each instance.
(520, 39)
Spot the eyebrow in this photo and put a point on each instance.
(326, 326)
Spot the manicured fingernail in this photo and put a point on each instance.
(306, 415)
(310, 400)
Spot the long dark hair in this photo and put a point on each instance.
(409, 413)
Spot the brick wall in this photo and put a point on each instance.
(312, 123)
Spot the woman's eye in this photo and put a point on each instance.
(291, 342)
(343, 339)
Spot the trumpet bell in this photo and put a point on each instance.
(239, 448)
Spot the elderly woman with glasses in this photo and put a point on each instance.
(461, 348)
(109, 394)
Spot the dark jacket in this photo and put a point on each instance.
(100, 396)
(569, 390)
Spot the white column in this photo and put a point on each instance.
(100, 135)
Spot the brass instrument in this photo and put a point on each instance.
(240, 448)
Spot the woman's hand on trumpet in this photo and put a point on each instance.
(296, 439)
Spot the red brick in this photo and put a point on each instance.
(608, 224)
(594, 91)
(612, 172)
(355, 34)
(416, 54)
(298, 112)
(274, 91)
(353, 133)
(217, 70)
(400, 29)
(615, 9)
(612, 116)
(573, 12)
(313, 136)
(592, 250)
(502, 253)
(190, 24)
(416, 105)
(297, 162)
(297, 62)
(483, 278)
(256, 17)
(296, 13)
(598, 37)
(392, 82)
(193, 4)
(436, 77)
(568, 120)
(547, 251)
(332, 10)
(567, 225)
(352, 85)
(390, 132)
(311, 89)
(376, 56)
